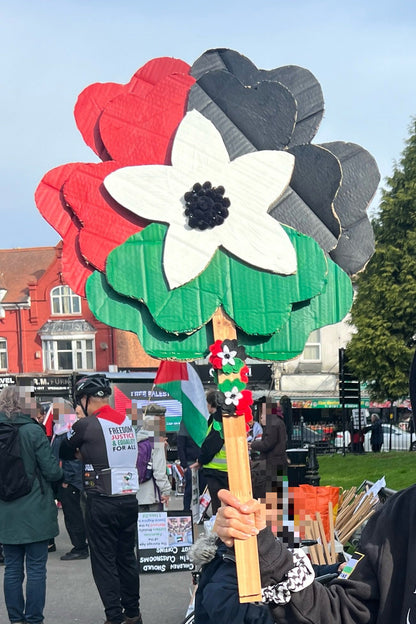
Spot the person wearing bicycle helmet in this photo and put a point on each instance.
(107, 444)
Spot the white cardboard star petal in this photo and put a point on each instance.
(252, 183)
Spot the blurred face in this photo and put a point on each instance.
(154, 424)
(40, 417)
(28, 402)
(263, 415)
(79, 412)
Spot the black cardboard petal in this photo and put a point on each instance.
(292, 211)
(301, 83)
(355, 247)
(316, 179)
(360, 178)
(309, 99)
(308, 205)
(230, 60)
(236, 142)
(264, 113)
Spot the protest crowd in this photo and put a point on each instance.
(90, 468)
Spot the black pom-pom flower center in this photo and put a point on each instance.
(206, 206)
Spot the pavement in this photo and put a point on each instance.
(72, 598)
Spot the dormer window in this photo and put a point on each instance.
(65, 301)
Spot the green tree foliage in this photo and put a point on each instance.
(384, 311)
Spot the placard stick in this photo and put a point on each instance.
(310, 536)
(351, 532)
(332, 532)
(319, 547)
(239, 479)
(323, 537)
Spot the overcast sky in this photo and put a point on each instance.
(362, 52)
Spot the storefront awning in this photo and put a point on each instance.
(309, 401)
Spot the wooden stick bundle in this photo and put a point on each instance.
(314, 530)
(354, 510)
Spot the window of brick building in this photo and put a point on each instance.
(65, 301)
(312, 350)
(68, 344)
(3, 354)
(69, 354)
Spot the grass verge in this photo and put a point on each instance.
(399, 469)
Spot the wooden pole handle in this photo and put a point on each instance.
(239, 479)
(248, 569)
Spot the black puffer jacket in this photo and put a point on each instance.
(216, 600)
(381, 588)
(272, 446)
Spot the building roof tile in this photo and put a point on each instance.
(20, 267)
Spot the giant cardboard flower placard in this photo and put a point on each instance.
(211, 194)
(211, 198)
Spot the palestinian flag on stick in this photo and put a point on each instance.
(182, 382)
(48, 421)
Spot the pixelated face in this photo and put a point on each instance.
(278, 510)
(28, 401)
(60, 406)
(156, 425)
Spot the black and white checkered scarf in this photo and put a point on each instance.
(296, 579)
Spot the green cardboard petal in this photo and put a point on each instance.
(133, 270)
(325, 309)
(260, 291)
(117, 311)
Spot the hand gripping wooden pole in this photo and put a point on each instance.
(239, 479)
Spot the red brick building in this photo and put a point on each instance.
(46, 328)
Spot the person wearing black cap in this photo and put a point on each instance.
(107, 445)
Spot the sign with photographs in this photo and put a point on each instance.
(164, 538)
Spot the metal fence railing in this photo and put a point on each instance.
(328, 438)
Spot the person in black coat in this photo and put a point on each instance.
(70, 491)
(271, 448)
(377, 438)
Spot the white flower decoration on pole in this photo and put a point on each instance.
(233, 396)
(232, 197)
(227, 356)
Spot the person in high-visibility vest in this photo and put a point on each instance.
(212, 456)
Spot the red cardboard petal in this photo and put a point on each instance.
(104, 223)
(51, 204)
(87, 111)
(74, 267)
(157, 69)
(140, 126)
(92, 101)
(49, 198)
